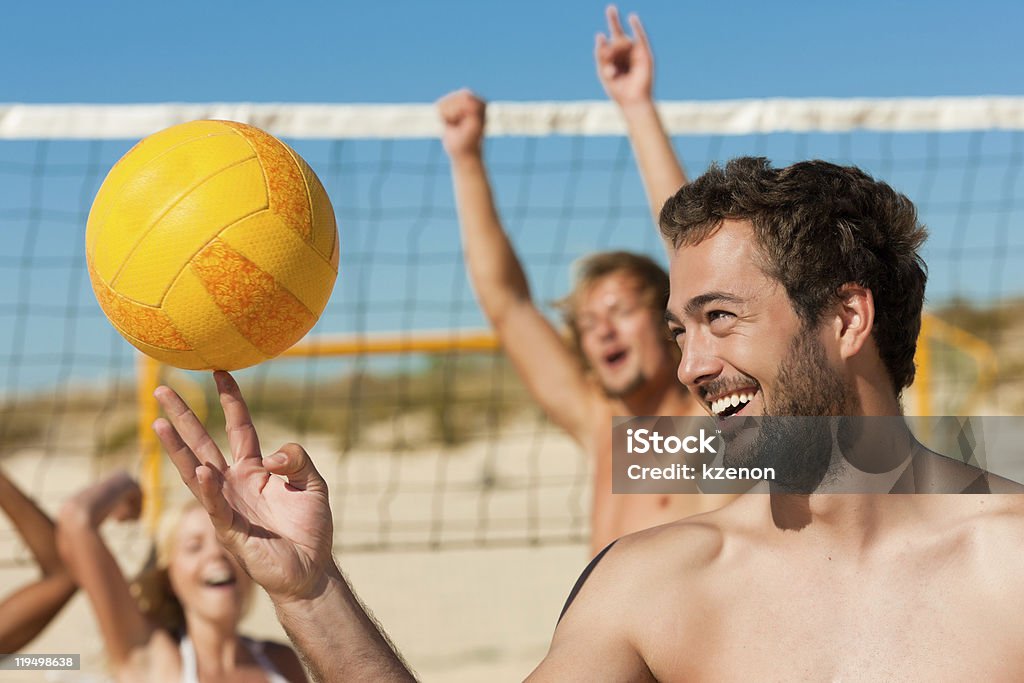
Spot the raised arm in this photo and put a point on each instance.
(94, 568)
(553, 375)
(272, 513)
(28, 610)
(625, 67)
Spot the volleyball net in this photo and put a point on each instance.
(426, 436)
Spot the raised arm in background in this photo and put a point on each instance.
(281, 531)
(625, 67)
(28, 610)
(552, 373)
(124, 628)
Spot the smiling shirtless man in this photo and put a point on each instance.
(801, 288)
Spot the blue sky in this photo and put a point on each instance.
(401, 267)
(405, 51)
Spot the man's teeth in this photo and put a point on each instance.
(721, 405)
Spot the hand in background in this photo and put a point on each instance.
(625, 66)
(463, 116)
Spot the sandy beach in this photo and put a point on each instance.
(482, 606)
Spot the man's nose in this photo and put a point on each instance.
(604, 329)
(698, 362)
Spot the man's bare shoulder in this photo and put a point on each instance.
(997, 518)
(690, 544)
(980, 533)
(935, 473)
(986, 536)
(656, 585)
(638, 575)
(1004, 511)
(678, 553)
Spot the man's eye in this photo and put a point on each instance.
(625, 309)
(675, 332)
(719, 315)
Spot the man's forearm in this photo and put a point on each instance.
(660, 170)
(491, 261)
(337, 638)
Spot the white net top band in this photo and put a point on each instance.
(382, 121)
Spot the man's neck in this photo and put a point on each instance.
(869, 455)
(853, 522)
(875, 395)
(668, 398)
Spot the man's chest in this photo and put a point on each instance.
(851, 625)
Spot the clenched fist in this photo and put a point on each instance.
(462, 114)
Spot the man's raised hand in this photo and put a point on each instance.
(279, 527)
(462, 115)
(625, 65)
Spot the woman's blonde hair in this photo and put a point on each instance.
(151, 588)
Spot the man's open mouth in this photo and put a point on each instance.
(615, 358)
(732, 403)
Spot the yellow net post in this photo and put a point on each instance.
(147, 380)
(381, 344)
(937, 331)
(923, 375)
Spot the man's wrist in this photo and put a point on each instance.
(639, 106)
(328, 582)
(468, 158)
(334, 634)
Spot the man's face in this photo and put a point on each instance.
(744, 349)
(621, 335)
(746, 353)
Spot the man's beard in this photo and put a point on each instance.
(794, 437)
(632, 386)
(807, 386)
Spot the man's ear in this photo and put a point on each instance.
(855, 318)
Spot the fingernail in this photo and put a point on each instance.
(278, 459)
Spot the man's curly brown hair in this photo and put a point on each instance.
(819, 226)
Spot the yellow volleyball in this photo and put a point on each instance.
(212, 245)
